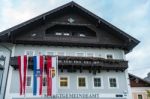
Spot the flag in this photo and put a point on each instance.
(51, 75)
(38, 63)
(22, 65)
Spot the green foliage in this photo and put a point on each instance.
(148, 93)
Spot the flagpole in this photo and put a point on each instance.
(26, 76)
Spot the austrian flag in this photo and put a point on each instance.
(22, 65)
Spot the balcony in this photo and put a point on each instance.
(72, 64)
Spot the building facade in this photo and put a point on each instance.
(91, 54)
(140, 88)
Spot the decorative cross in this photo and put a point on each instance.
(71, 20)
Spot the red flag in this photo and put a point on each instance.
(20, 76)
(22, 65)
(49, 77)
(41, 76)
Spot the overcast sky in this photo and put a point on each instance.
(132, 16)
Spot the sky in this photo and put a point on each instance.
(131, 16)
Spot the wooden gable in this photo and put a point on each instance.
(70, 18)
(138, 82)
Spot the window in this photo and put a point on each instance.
(80, 54)
(97, 82)
(50, 53)
(140, 97)
(109, 56)
(28, 80)
(82, 35)
(63, 82)
(81, 82)
(29, 53)
(44, 81)
(66, 34)
(113, 82)
(60, 53)
(58, 33)
(89, 54)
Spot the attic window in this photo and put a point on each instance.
(58, 33)
(82, 35)
(33, 35)
(66, 34)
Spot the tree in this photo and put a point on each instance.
(148, 94)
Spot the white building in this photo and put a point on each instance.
(91, 54)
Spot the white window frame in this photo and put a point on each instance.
(80, 52)
(68, 82)
(140, 94)
(109, 54)
(90, 53)
(29, 50)
(31, 81)
(117, 83)
(60, 52)
(86, 82)
(51, 51)
(102, 86)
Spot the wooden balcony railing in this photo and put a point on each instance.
(88, 63)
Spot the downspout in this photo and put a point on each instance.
(8, 67)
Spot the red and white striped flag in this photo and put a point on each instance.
(51, 75)
(22, 65)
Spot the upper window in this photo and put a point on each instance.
(82, 35)
(113, 82)
(66, 34)
(50, 53)
(63, 82)
(58, 33)
(109, 56)
(60, 53)
(80, 54)
(29, 53)
(140, 97)
(90, 54)
(97, 82)
(68, 30)
(81, 82)
(28, 80)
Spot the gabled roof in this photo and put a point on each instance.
(133, 42)
(135, 78)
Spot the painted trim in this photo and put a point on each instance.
(86, 82)
(117, 83)
(102, 85)
(68, 82)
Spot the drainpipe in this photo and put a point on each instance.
(8, 67)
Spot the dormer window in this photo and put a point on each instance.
(58, 33)
(82, 35)
(66, 34)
